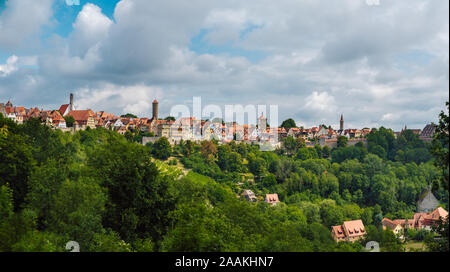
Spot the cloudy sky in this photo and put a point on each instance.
(385, 64)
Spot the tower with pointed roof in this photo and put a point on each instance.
(342, 123)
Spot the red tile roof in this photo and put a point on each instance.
(338, 232)
(354, 228)
(63, 108)
(272, 198)
(81, 115)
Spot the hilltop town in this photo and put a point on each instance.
(67, 118)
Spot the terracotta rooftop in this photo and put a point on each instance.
(272, 198)
(354, 228)
(81, 115)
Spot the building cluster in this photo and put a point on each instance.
(420, 220)
(428, 215)
(250, 196)
(324, 133)
(425, 134)
(189, 128)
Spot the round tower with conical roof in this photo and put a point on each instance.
(155, 110)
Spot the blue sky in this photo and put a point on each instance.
(314, 59)
(66, 15)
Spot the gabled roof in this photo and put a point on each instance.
(272, 198)
(338, 231)
(81, 115)
(56, 116)
(354, 228)
(439, 212)
(63, 108)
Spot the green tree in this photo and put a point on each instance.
(129, 115)
(138, 196)
(77, 211)
(70, 121)
(441, 145)
(290, 145)
(256, 165)
(326, 152)
(162, 149)
(288, 124)
(342, 141)
(16, 162)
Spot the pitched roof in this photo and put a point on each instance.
(338, 231)
(389, 223)
(56, 116)
(354, 228)
(272, 198)
(63, 108)
(81, 115)
(439, 212)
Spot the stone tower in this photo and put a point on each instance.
(342, 122)
(155, 110)
(71, 103)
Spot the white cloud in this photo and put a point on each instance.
(9, 67)
(320, 102)
(118, 99)
(22, 19)
(90, 28)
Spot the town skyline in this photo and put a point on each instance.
(299, 124)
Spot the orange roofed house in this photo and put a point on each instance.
(349, 231)
(421, 220)
(83, 119)
(272, 199)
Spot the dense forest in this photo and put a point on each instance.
(110, 193)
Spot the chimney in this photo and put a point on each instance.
(71, 102)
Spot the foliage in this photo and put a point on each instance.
(129, 115)
(288, 124)
(162, 149)
(110, 194)
(70, 121)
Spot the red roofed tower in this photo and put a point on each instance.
(155, 110)
(342, 122)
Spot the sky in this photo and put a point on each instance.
(379, 65)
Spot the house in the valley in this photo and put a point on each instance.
(428, 220)
(349, 231)
(272, 199)
(249, 195)
(420, 220)
(397, 226)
